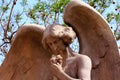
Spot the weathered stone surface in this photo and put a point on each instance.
(95, 38)
(27, 59)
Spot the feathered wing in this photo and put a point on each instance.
(27, 59)
(95, 38)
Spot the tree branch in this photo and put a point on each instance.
(4, 43)
(5, 33)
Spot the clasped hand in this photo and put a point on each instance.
(56, 63)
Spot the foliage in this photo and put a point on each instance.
(15, 13)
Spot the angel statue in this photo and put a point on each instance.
(39, 53)
(65, 64)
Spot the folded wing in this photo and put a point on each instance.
(27, 59)
(96, 39)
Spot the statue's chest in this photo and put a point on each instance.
(71, 68)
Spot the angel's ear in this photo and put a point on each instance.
(95, 38)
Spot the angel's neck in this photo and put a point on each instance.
(66, 54)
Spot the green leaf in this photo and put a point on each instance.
(110, 16)
(10, 28)
(3, 20)
(4, 8)
(18, 17)
(117, 17)
(24, 3)
(58, 5)
(118, 6)
(105, 6)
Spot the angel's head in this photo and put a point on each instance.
(57, 37)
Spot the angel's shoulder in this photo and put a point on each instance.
(80, 58)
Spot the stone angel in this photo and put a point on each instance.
(39, 53)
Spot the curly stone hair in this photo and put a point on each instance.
(58, 31)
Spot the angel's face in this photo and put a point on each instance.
(56, 45)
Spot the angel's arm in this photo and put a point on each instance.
(84, 69)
